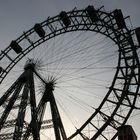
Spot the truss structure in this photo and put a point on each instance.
(113, 26)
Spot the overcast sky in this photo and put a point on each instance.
(17, 16)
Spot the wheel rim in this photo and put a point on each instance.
(127, 70)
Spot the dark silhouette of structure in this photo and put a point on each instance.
(126, 132)
(113, 26)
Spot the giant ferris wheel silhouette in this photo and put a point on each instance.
(74, 76)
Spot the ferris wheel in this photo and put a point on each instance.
(74, 76)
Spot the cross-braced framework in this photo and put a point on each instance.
(30, 107)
